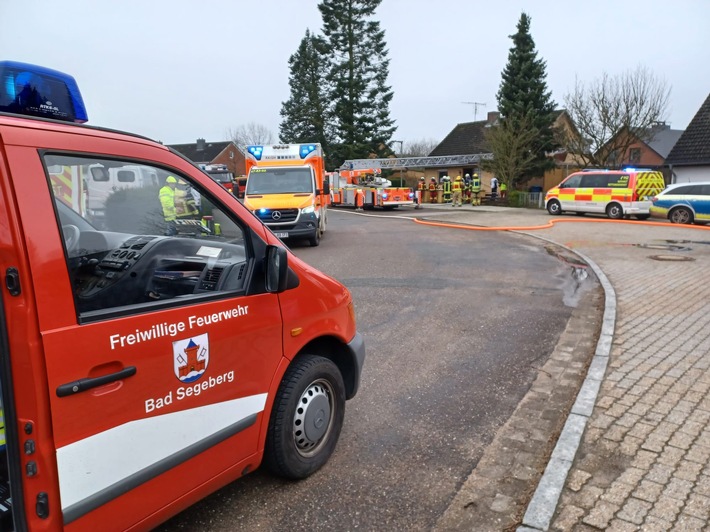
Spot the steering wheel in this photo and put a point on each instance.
(71, 237)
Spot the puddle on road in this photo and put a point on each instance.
(663, 247)
(576, 279)
(688, 241)
(672, 258)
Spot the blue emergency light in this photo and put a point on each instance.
(256, 151)
(38, 91)
(306, 149)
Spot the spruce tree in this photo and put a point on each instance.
(357, 78)
(305, 113)
(524, 99)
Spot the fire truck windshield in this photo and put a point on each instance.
(280, 181)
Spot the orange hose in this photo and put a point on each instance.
(552, 222)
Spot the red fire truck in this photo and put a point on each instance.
(150, 361)
(374, 190)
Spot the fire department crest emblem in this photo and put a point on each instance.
(191, 357)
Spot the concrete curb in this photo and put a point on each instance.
(544, 502)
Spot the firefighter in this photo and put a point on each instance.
(359, 199)
(167, 201)
(421, 187)
(494, 188)
(467, 188)
(432, 190)
(456, 187)
(447, 189)
(186, 203)
(475, 190)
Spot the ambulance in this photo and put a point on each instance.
(616, 193)
(146, 363)
(287, 189)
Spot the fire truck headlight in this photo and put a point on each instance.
(384, 195)
(309, 209)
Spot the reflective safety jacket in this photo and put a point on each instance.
(167, 200)
(476, 184)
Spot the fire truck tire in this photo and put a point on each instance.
(614, 211)
(306, 418)
(554, 207)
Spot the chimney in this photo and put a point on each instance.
(660, 126)
(200, 144)
(493, 117)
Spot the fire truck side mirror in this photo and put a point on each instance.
(326, 188)
(276, 269)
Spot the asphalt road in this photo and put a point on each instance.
(456, 324)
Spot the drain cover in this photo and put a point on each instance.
(672, 258)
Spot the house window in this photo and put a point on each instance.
(635, 155)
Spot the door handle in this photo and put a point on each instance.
(82, 385)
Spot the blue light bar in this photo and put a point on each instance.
(38, 91)
(306, 149)
(256, 151)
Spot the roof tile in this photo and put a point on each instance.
(693, 146)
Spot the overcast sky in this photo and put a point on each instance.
(178, 70)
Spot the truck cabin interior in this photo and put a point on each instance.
(5, 499)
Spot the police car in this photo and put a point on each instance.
(683, 203)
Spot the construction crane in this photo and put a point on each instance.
(476, 105)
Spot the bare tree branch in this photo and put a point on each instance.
(418, 148)
(251, 133)
(611, 113)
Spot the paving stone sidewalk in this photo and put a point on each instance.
(644, 459)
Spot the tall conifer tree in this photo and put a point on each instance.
(524, 99)
(357, 78)
(305, 114)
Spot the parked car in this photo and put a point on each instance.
(617, 193)
(683, 203)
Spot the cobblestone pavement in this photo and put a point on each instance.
(643, 462)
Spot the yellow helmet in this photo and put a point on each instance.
(458, 178)
(171, 179)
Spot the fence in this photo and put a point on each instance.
(530, 200)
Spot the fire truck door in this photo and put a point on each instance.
(153, 389)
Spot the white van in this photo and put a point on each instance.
(100, 182)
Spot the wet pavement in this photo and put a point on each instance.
(634, 443)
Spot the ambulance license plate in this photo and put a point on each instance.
(281, 235)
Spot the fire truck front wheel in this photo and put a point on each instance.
(306, 418)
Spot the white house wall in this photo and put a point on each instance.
(690, 174)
